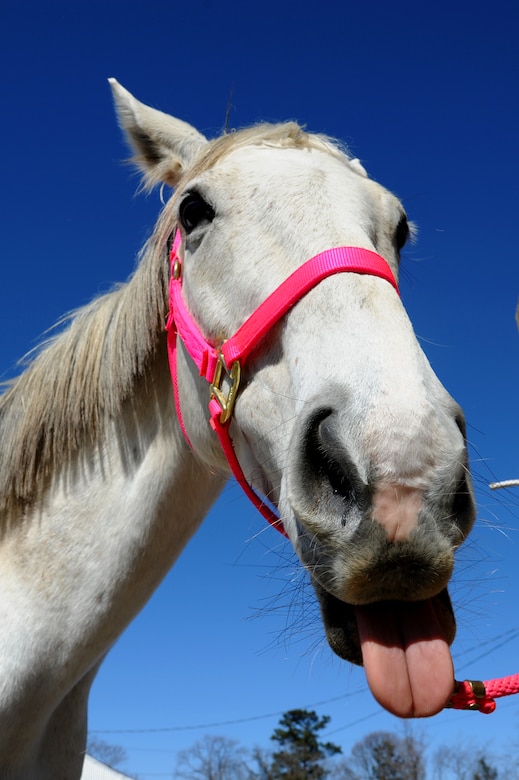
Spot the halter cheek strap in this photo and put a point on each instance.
(221, 366)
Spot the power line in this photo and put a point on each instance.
(217, 724)
(503, 639)
(495, 643)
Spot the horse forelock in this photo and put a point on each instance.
(281, 135)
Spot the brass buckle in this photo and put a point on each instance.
(226, 396)
(477, 689)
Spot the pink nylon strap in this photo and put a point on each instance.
(295, 287)
(222, 431)
(480, 696)
(206, 356)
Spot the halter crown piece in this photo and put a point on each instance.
(221, 367)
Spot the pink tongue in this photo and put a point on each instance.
(406, 658)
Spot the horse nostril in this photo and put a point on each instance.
(330, 472)
(335, 464)
(463, 507)
(462, 425)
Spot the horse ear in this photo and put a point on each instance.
(164, 146)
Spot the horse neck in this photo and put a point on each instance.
(139, 481)
(135, 495)
(106, 531)
(149, 487)
(93, 460)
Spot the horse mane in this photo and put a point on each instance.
(284, 135)
(81, 378)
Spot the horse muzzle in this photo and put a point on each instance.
(364, 531)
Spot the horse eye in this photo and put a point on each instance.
(193, 211)
(402, 233)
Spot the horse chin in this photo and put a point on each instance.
(340, 625)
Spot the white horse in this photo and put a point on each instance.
(339, 420)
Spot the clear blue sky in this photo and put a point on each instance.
(426, 94)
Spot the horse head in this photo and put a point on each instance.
(340, 420)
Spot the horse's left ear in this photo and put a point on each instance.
(164, 146)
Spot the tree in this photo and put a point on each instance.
(483, 770)
(301, 755)
(383, 755)
(449, 761)
(103, 751)
(466, 763)
(213, 758)
(412, 750)
(263, 761)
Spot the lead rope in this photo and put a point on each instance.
(480, 696)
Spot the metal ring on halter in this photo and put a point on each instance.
(225, 397)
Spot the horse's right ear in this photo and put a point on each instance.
(164, 146)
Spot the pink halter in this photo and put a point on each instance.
(225, 361)
(221, 365)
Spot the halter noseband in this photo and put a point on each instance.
(221, 365)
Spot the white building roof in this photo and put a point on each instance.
(95, 770)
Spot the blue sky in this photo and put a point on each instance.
(427, 96)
